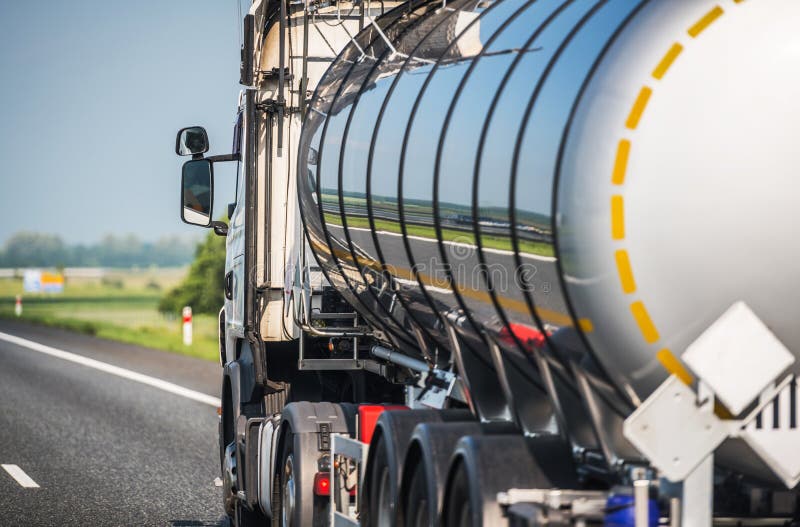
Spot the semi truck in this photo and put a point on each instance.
(510, 262)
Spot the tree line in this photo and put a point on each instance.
(32, 249)
(202, 289)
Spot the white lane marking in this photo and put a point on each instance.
(113, 370)
(18, 474)
(456, 244)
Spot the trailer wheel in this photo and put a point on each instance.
(426, 464)
(483, 466)
(393, 432)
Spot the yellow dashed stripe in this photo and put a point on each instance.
(639, 107)
(649, 332)
(667, 61)
(707, 19)
(617, 218)
(621, 164)
(642, 317)
(673, 365)
(586, 325)
(625, 272)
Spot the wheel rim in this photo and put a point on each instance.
(229, 479)
(384, 500)
(287, 512)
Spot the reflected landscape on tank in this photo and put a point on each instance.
(456, 221)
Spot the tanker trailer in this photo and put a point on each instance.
(573, 203)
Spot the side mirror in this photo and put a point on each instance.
(246, 64)
(191, 141)
(197, 183)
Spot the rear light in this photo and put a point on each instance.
(322, 484)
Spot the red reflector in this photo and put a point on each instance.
(322, 484)
(367, 417)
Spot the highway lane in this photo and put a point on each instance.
(105, 450)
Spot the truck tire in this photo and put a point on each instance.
(483, 466)
(389, 444)
(426, 465)
(237, 513)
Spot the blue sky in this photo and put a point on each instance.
(91, 95)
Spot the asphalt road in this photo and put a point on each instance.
(103, 449)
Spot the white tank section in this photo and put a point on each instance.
(679, 190)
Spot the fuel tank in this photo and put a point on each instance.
(600, 177)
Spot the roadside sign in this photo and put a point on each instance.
(37, 281)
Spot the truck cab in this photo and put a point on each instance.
(286, 335)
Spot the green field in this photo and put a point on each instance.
(120, 306)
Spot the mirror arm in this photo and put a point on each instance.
(226, 157)
(220, 228)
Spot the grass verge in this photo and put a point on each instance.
(120, 307)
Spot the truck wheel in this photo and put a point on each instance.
(381, 495)
(296, 477)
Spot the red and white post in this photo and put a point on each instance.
(18, 306)
(187, 326)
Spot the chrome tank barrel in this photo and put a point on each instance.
(598, 177)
